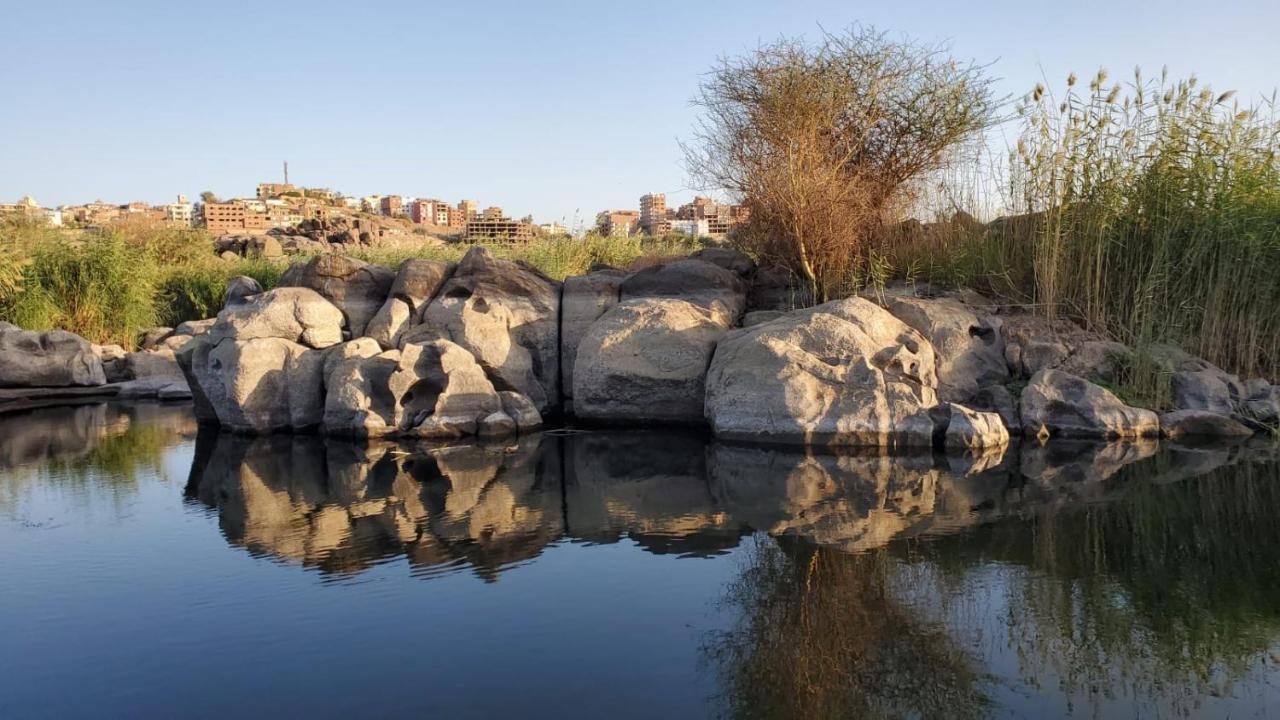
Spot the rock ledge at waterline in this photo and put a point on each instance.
(491, 348)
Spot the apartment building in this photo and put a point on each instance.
(224, 218)
(618, 223)
(392, 206)
(653, 214)
(181, 213)
(468, 209)
(499, 228)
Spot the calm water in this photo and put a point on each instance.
(150, 570)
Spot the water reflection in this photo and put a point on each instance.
(104, 445)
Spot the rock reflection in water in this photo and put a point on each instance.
(342, 506)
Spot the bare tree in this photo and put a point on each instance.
(820, 140)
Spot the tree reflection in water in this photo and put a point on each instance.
(821, 635)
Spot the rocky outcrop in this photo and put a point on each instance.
(1201, 424)
(356, 288)
(507, 315)
(1056, 403)
(55, 358)
(583, 299)
(296, 314)
(415, 284)
(239, 288)
(843, 373)
(430, 390)
(967, 344)
(695, 281)
(646, 360)
(966, 430)
(256, 385)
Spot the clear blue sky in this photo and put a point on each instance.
(550, 108)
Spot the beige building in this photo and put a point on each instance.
(653, 214)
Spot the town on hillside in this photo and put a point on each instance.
(285, 208)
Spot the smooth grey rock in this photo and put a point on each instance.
(1057, 403)
(239, 288)
(843, 373)
(695, 281)
(1201, 423)
(646, 360)
(507, 315)
(355, 287)
(583, 299)
(55, 358)
(296, 314)
(969, 347)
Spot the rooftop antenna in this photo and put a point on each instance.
(286, 172)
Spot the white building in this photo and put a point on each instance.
(696, 228)
(181, 213)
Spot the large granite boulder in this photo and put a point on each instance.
(416, 282)
(967, 430)
(357, 288)
(390, 323)
(1202, 424)
(55, 358)
(968, 346)
(728, 259)
(256, 385)
(1057, 403)
(583, 300)
(507, 315)
(646, 360)
(843, 373)
(432, 390)
(1262, 402)
(296, 314)
(240, 288)
(695, 281)
(774, 287)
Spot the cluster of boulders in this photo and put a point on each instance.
(37, 362)
(490, 347)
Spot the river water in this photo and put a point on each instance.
(154, 569)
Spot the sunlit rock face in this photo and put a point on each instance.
(646, 360)
(1056, 403)
(693, 280)
(583, 300)
(846, 373)
(967, 343)
(506, 314)
(358, 289)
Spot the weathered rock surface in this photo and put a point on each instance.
(418, 280)
(152, 337)
(759, 317)
(506, 314)
(152, 364)
(583, 300)
(843, 373)
(969, 347)
(731, 260)
(113, 362)
(695, 281)
(970, 430)
(296, 314)
(355, 287)
(191, 328)
(239, 288)
(256, 384)
(55, 358)
(1056, 403)
(390, 323)
(431, 390)
(1201, 423)
(646, 360)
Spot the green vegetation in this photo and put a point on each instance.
(1151, 216)
(108, 286)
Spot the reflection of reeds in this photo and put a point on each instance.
(820, 635)
(1166, 593)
